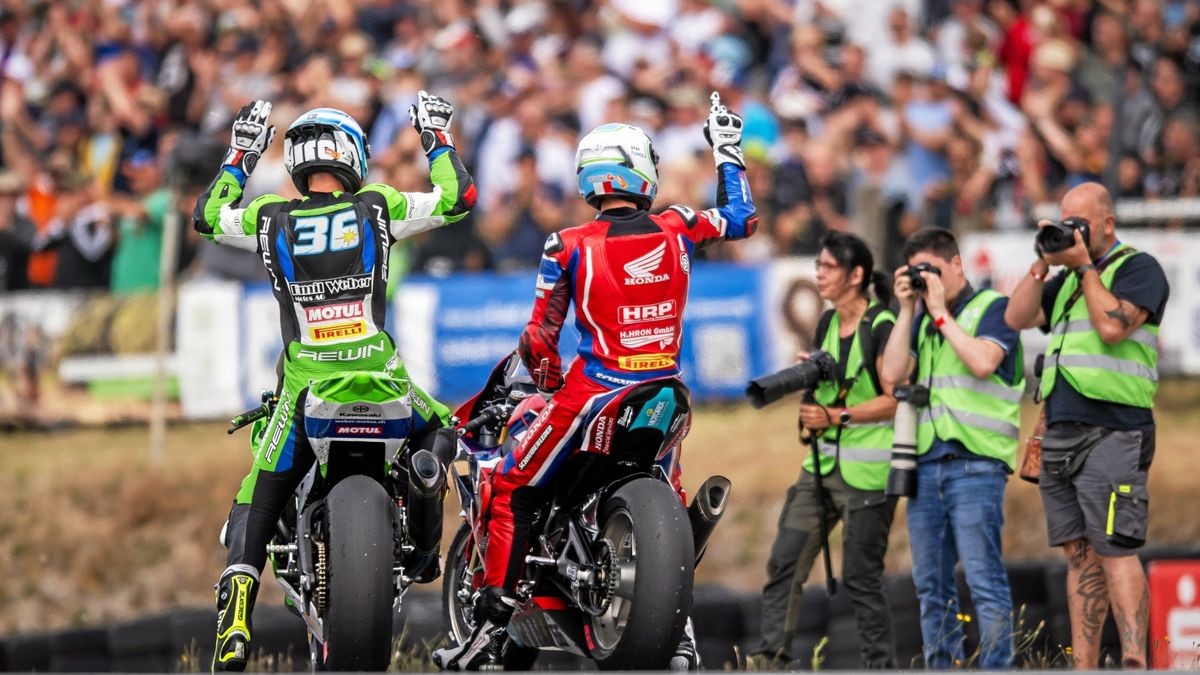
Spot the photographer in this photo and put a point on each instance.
(958, 347)
(1099, 377)
(849, 412)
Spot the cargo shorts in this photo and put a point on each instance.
(1107, 500)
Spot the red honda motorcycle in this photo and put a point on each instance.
(612, 555)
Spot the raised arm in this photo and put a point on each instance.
(453, 192)
(896, 363)
(735, 216)
(1025, 305)
(217, 216)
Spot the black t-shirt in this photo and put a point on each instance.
(879, 335)
(1140, 280)
(14, 256)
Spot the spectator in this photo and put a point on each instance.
(925, 125)
(898, 51)
(517, 227)
(81, 233)
(1178, 171)
(103, 81)
(15, 235)
(823, 209)
(135, 266)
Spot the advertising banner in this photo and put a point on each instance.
(1174, 614)
(452, 331)
(72, 357)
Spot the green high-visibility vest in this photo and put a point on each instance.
(862, 452)
(984, 415)
(1125, 373)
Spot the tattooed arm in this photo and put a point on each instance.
(1113, 318)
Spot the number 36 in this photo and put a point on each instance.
(313, 233)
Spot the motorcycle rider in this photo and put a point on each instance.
(627, 273)
(327, 255)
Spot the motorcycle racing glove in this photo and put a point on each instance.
(431, 118)
(252, 135)
(723, 131)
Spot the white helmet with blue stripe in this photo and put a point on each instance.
(617, 159)
(325, 139)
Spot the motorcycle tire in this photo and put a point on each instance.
(643, 634)
(457, 619)
(358, 618)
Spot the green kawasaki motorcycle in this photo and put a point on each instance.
(349, 542)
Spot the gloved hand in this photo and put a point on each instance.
(252, 135)
(431, 118)
(548, 379)
(723, 131)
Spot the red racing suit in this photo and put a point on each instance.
(627, 274)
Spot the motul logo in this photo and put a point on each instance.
(347, 310)
(642, 313)
(343, 430)
(641, 270)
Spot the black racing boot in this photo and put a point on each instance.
(236, 592)
(686, 657)
(483, 648)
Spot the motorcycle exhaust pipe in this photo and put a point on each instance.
(426, 485)
(427, 489)
(706, 510)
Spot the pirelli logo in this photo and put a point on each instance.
(338, 331)
(646, 362)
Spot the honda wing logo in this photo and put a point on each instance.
(641, 270)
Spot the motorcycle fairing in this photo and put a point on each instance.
(357, 407)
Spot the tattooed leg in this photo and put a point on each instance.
(1087, 598)
(1131, 606)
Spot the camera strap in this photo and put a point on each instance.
(1075, 296)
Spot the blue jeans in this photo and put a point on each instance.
(957, 515)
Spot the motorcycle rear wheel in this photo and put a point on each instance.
(358, 618)
(649, 529)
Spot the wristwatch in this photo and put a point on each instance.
(844, 417)
(1084, 269)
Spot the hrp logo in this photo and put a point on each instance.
(641, 313)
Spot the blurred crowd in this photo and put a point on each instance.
(871, 116)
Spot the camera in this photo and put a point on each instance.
(915, 280)
(902, 478)
(1060, 236)
(770, 388)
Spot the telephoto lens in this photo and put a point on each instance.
(902, 478)
(767, 389)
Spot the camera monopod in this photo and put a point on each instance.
(807, 436)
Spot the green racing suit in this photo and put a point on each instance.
(327, 256)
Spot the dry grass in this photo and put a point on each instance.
(91, 532)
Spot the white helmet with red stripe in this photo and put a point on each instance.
(617, 159)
